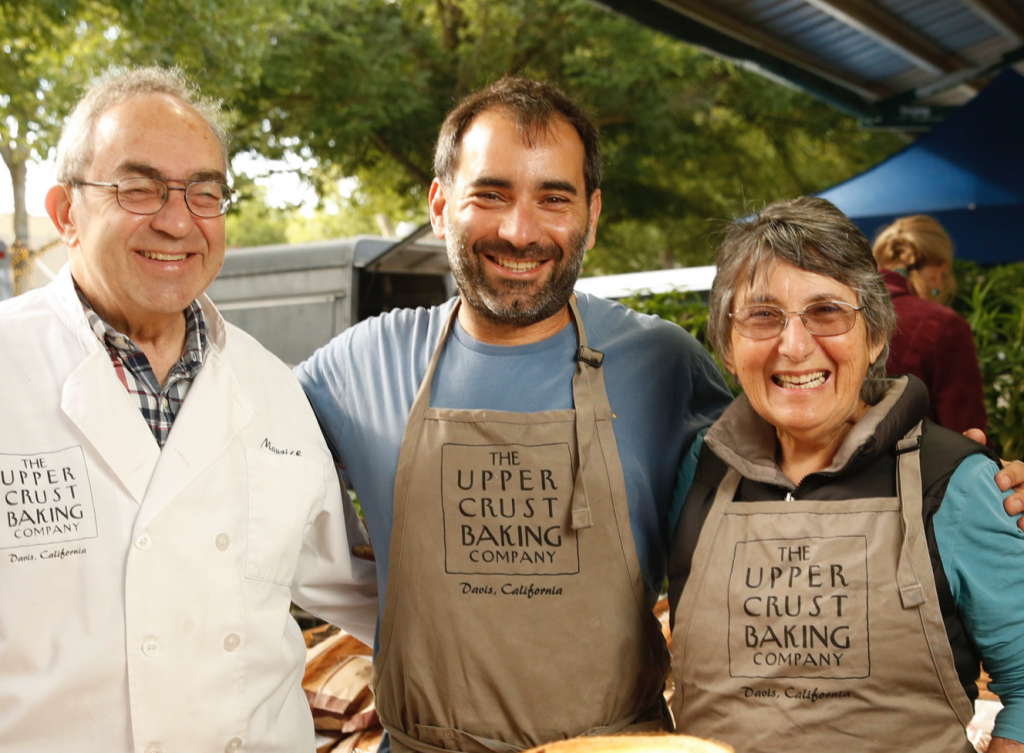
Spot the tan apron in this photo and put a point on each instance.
(815, 626)
(515, 611)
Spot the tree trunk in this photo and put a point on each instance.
(21, 259)
(668, 258)
(384, 225)
(19, 171)
(20, 256)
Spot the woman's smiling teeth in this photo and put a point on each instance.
(515, 265)
(163, 257)
(801, 382)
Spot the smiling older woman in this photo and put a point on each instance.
(839, 569)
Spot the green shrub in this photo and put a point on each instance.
(992, 301)
(688, 310)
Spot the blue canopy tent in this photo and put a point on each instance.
(967, 172)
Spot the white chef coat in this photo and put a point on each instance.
(144, 595)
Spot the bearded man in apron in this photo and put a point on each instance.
(535, 436)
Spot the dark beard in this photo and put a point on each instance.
(499, 303)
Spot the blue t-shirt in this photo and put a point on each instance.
(662, 385)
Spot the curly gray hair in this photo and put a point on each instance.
(813, 235)
(74, 151)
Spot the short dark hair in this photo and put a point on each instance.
(534, 105)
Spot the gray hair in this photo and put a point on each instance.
(74, 151)
(811, 234)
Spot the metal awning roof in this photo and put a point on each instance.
(894, 63)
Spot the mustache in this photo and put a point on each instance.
(529, 252)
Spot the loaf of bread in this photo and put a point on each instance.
(644, 743)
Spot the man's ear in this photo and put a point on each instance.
(595, 215)
(436, 201)
(58, 206)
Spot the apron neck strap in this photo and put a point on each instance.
(908, 489)
(421, 402)
(585, 384)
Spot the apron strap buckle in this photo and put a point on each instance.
(908, 444)
(912, 596)
(590, 356)
(582, 518)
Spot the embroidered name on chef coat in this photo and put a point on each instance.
(507, 509)
(47, 499)
(799, 608)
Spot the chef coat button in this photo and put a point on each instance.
(223, 542)
(230, 644)
(155, 749)
(235, 743)
(150, 647)
(144, 542)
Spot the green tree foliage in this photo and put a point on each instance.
(690, 311)
(346, 82)
(690, 141)
(45, 57)
(353, 207)
(221, 43)
(50, 49)
(251, 221)
(687, 309)
(992, 301)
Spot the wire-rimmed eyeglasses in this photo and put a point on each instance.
(822, 319)
(204, 198)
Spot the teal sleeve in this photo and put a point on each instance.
(981, 548)
(687, 470)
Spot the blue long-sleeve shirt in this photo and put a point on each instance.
(980, 546)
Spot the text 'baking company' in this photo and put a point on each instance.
(507, 509)
(47, 499)
(799, 608)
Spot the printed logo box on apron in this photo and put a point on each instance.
(799, 608)
(507, 510)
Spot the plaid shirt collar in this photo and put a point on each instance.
(158, 403)
(192, 356)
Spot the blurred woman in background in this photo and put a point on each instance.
(932, 342)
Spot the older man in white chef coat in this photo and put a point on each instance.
(166, 490)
